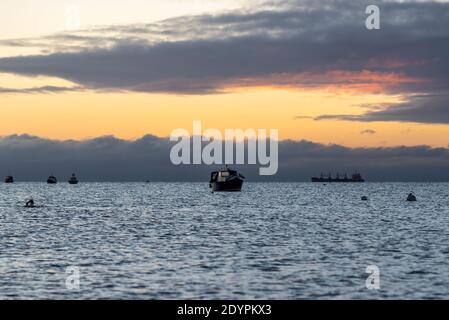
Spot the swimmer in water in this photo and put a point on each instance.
(30, 204)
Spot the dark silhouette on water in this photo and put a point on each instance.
(52, 180)
(73, 179)
(411, 197)
(226, 180)
(30, 204)
(364, 198)
(356, 177)
(9, 179)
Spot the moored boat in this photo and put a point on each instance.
(73, 179)
(9, 179)
(52, 180)
(226, 180)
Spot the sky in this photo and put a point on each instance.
(81, 70)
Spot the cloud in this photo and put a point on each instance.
(423, 109)
(44, 89)
(296, 44)
(368, 132)
(112, 159)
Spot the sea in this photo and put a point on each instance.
(180, 241)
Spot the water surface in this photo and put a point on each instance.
(179, 241)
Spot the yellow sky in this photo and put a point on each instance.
(79, 115)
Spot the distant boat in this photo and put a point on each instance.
(356, 177)
(9, 179)
(73, 179)
(226, 180)
(52, 180)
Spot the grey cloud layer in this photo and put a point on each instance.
(45, 89)
(112, 159)
(423, 109)
(211, 51)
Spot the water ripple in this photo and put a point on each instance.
(179, 241)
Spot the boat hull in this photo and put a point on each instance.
(234, 185)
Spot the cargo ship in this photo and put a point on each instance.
(356, 177)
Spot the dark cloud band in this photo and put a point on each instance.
(422, 109)
(112, 159)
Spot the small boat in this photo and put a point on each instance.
(364, 198)
(411, 198)
(73, 179)
(226, 180)
(9, 179)
(52, 180)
